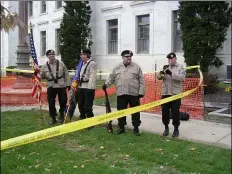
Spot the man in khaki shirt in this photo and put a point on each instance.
(86, 85)
(172, 75)
(130, 87)
(58, 80)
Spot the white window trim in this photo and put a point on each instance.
(173, 34)
(139, 3)
(41, 5)
(56, 41)
(151, 30)
(32, 9)
(106, 19)
(110, 9)
(41, 42)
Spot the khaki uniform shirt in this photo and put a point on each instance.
(172, 85)
(62, 82)
(128, 80)
(90, 75)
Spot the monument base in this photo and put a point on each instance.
(23, 83)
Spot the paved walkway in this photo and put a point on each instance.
(193, 130)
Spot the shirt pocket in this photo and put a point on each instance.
(176, 88)
(118, 86)
(60, 72)
(134, 74)
(48, 75)
(134, 87)
(117, 74)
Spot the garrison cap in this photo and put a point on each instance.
(86, 51)
(127, 53)
(171, 55)
(50, 51)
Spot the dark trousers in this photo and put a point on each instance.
(174, 106)
(62, 98)
(122, 103)
(85, 98)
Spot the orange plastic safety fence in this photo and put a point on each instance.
(10, 96)
(192, 104)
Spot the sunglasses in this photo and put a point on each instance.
(127, 56)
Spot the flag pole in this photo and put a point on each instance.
(40, 103)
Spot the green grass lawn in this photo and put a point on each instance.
(98, 152)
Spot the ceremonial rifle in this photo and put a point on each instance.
(108, 110)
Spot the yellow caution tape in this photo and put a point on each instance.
(31, 72)
(78, 125)
(106, 73)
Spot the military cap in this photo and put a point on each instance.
(86, 51)
(171, 55)
(127, 52)
(50, 51)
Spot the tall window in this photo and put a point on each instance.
(57, 41)
(43, 6)
(30, 8)
(143, 33)
(58, 4)
(43, 42)
(177, 34)
(113, 36)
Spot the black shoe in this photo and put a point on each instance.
(120, 131)
(61, 120)
(175, 132)
(166, 131)
(136, 131)
(53, 121)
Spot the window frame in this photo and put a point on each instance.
(175, 36)
(140, 25)
(42, 7)
(110, 40)
(30, 8)
(58, 7)
(42, 46)
(58, 42)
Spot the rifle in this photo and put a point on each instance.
(109, 126)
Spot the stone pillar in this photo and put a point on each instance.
(24, 81)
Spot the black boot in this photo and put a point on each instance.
(53, 121)
(61, 119)
(136, 131)
(120, 130)
(175, 132)
(166, 131)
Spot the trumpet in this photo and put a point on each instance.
(161, 73)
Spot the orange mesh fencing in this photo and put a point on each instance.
(192, 104)
(10, 96)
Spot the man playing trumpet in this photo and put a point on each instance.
(172, 75)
